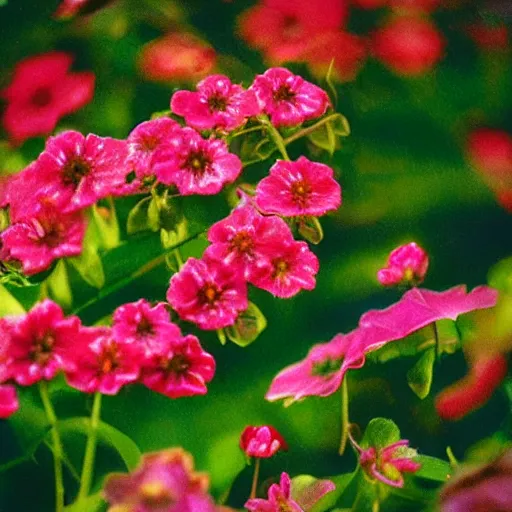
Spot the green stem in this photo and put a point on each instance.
(90, 449)
(57, 446)
(255, 477)
(436, 337)
(178, 257)
(247, 130)
(276, 137)
(309, 129)
(344, 416)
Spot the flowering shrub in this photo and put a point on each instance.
(197, 218)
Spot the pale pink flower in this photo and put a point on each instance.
(321, 372)
(407, 264)
(82, 169)
(163, 482)
(42, 91)
(262, 442)
(148, 327)
(290, 268)
(39, 343)
(217, 104)
(208, 293)
(282, 497)
(9, 403)
(196, 165)
(240, 240)
(288, 99)
(180, 368)
(387, 464)
(143, 141)
(104, 364)
(298, 188)
(46, 236)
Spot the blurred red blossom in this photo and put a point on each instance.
(42, 91)
(408, 45)
(71, 8)
(176, 57)
(262, 442)
(489, 37)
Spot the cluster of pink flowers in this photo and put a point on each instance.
(143, 346)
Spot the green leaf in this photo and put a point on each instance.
(107, 434)
(160, 113)
(89, 266)
(308, 490)
(247, 327)
(8, 304)
(419, 377)
(107, 225)
(138, 218)
(433, 468)
(58, 284)
(324, 138)
(380, 433)
(92, 503)
(340, 125)
(311, 230)
(500, 276)
(172, 237)
(328, 501)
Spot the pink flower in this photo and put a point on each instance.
(104, 364)
(41, 92)
(241, 239)
(196, 165)
(39, 343)
(298, 188)
(143, 141)
(8, 401)
(387, 464)
(148, 327)
(262, 442)
(283, 29)
(208, 293)
(176, 57)
(71, 8)
(321, 373)
(287, 98)
(164, 481)
(42, 238)
(289, 268)
(217, 104)
(281, 497)
(408, 45)
(180, 368)
(82, 169)
(407, 264)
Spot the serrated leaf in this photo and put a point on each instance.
(107, 434)
(380, 433)
(433, 468)
(311, 230)
(247, 327)
(419, 377)
(138, 218)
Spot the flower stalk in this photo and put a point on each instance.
(255, 477)
(344, 417)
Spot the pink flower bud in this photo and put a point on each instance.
(262, 442)
(407, 264)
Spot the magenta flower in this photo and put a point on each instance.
(70, 8)
(290, 267)
(387, 464)
(217, 104)
(262, 442)
(407, 264)
(148, 327)
(82, 169)
(46, 236)
(42, 91)
(282, 498)
(104, 364)
(196, 165)
(298, 188)
(288, 99)
(181, 368)
(321, 373)
(163, 482)
(8, 400)
(208, 293)
(38, 343)
(143, 141)
(241, 239)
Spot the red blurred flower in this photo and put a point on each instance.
(474, 390)
(71, 8)
(489, 37)
(408, 45)
(262, 442)
(407, 264)
(414, 6)
(179, 56)
(42, 91)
